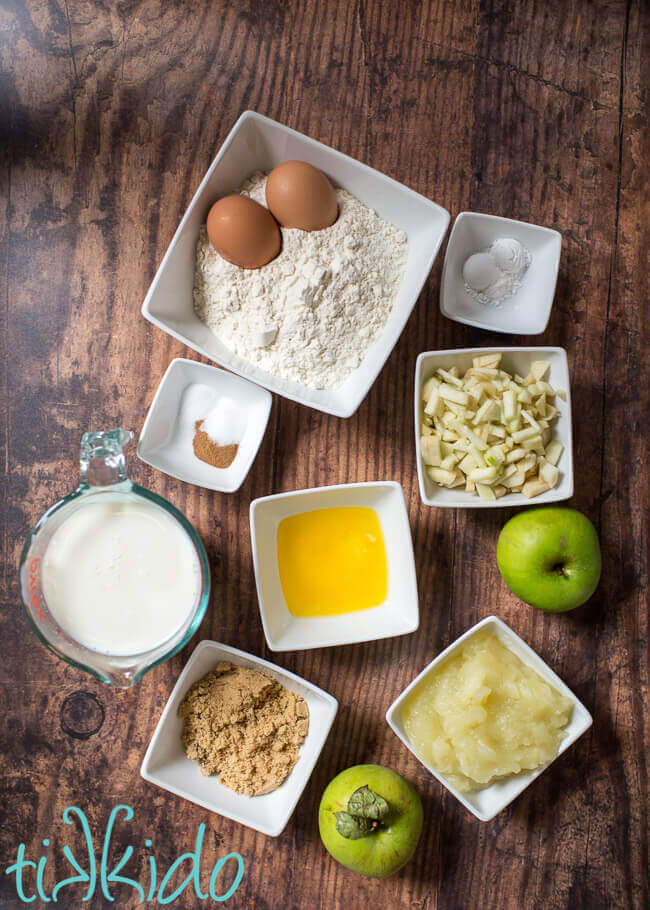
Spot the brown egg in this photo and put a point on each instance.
(243, 232)
(300, 196)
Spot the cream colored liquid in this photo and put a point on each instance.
(121, 577)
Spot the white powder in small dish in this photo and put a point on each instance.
(311, 314)
(225, 423)
(494, 274)
(221, 417)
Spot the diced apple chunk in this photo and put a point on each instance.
(549, 473)
(430, 449)
(509, 405)
(467, 464)
(528, 417)
(428, 387)
(539, 369)
(434, 405)
(526, 433)
(450, 378)
(553, 451)
(515, 455)
(484, 475)
(488, 410)
(449, 462)
(487, 360)
(485, 492)
(441, 476)
(529, 463)
(535, 442)
(449, 393)
(518, 479)
(534, 487)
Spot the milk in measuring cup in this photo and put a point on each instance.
(121, 577)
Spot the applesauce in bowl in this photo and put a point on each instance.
(483, 715)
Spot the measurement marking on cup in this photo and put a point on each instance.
(33, 587)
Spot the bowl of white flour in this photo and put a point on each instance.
(317, 323)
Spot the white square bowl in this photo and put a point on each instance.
(515, 360)
(527, 311)
(160, 445)
(166, 765)
(399, 613)
(257, 143)
(489, 801)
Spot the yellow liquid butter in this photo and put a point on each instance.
(484, 714)
(332, 561)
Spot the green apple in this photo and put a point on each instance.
(370, 820)
(550, 557)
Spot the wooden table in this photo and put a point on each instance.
(110, 115)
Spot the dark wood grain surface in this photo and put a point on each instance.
(110, 114)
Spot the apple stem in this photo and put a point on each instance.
(366, 811)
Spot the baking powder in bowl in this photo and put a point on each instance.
(311, 314)
(494, 274)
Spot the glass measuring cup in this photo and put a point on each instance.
(103, 479)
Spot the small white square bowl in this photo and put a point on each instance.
(489, 801)
(166, 765)
(257, 143)
(160, 446)
(399, 613)
(527, 311)
(515, 360)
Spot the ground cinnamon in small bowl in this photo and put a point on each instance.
(245, 726)
(211, 453)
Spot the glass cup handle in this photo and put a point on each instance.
(102, 461)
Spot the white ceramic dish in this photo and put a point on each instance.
(527, 311)
(515, 360)
(398, 615)
(257, 143)
(489, 801)
(160, 446)
(166, 765)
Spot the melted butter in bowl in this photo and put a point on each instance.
(334, 565)
(332, 561)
